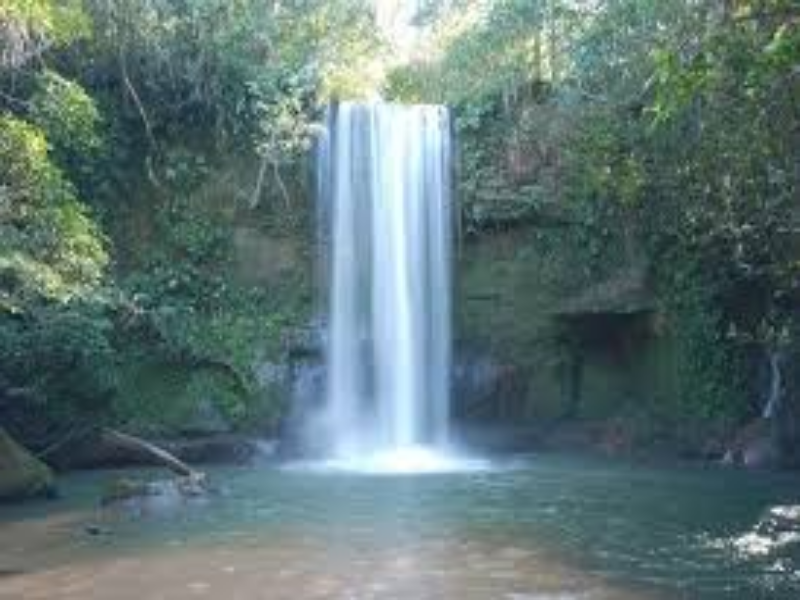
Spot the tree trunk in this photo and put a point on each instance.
(174, 464)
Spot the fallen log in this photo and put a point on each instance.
(159, 455)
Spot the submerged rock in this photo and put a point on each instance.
(96, 530)
(21, 474)
(142, 496)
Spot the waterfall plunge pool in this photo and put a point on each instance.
(534, 528)
(404, 460)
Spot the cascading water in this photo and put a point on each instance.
(775, 393)
(385, 215)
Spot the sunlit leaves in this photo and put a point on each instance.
(29, 27)
(252, 71)
(50, 248)
(23, 154)
(482, 48)
(67, 113)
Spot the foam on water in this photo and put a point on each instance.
(409, 460)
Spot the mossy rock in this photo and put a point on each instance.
(21, 474)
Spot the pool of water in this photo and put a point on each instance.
(531, 528)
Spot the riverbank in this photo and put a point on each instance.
(614, 440)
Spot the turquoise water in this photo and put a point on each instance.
(538, 527)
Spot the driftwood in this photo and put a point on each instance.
(174, 464)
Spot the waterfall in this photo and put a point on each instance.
(775, 393)
(384, 207)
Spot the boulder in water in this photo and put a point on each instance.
(21, 474)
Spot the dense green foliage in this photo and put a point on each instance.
(141, 142)
(666, 132)
(120, 204)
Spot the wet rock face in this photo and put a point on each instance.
(306, 343)
(299, 377)
(307, 392)
(21, 474)
(773, 439)
(761, 453)
(789, 431)
(484, 387)
(754, 447)
(475, 380)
